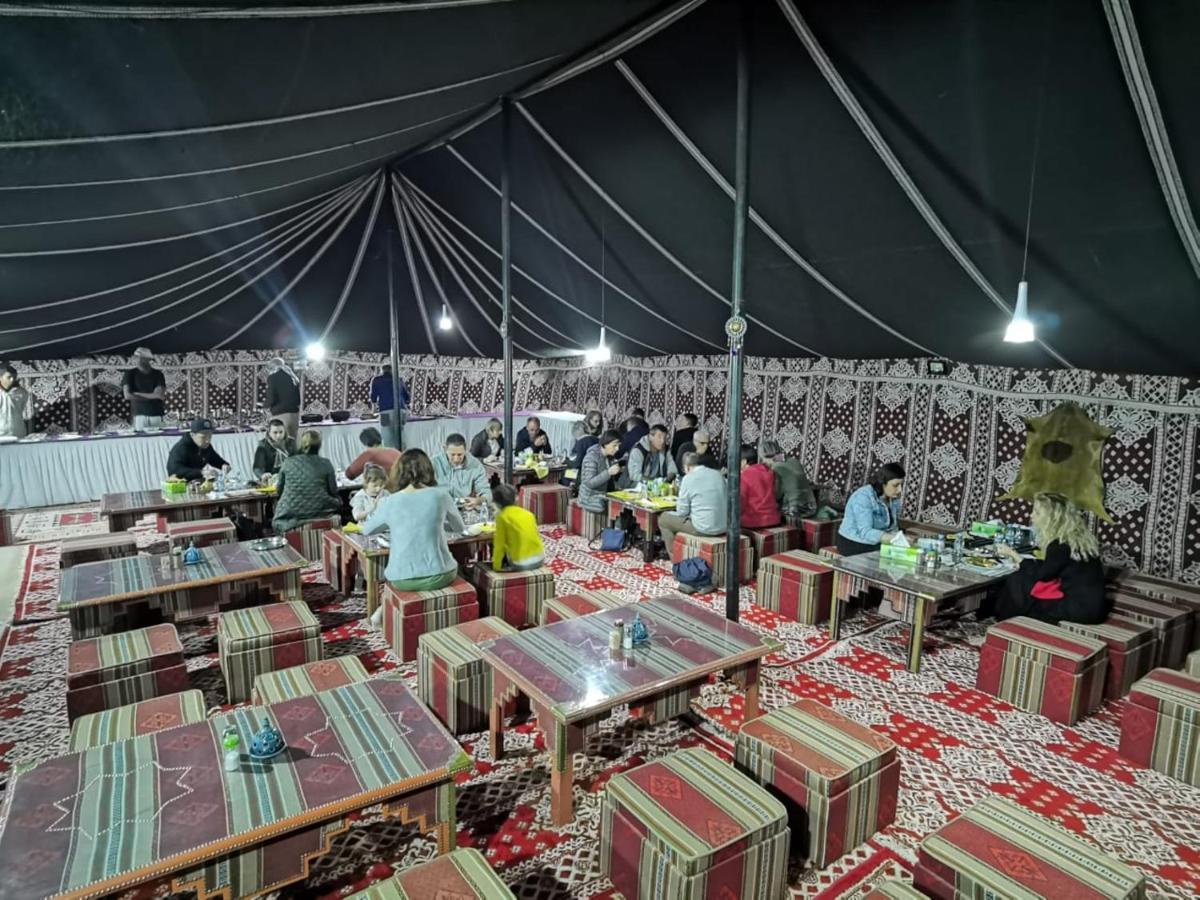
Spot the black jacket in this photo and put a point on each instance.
(480, 448)
(187, 460)
(266, 458)
(283, 394)
(679, 438)
(524, 443)
(1081, 583)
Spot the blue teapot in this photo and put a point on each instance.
(191, 556)
(638, 630)
(267, 742)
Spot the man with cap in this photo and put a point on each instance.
(144, 387)
(283, 395)
(193, 457)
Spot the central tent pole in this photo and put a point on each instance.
(735, 328)
(395, 432)
(506, 281)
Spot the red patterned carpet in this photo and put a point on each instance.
(956, 746)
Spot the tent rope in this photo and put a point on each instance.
(352, 277)
(412, 272)
(115, 11)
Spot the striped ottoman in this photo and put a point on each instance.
(307, 679)
(1186, 596)
(1193, 663)
(265, 639)
(797, 585)
(335, 561)
(581, 602)
(118, 669)
(409, 614)
(818, 533)
(146, 717)
(894, 890)
(583, 521)
(461, 874)
(998, 849)
(1042, 668)
(306, 540)
(5, 529)
(830, 552)
(1172, 625)
(202, 532)
(712, 551)
(547, 502)
(452, 678)
(1160, 728)
(769, 541)
(1131, 650)
(96, 548)
(516, 597)
(689, 826)
(842, 775)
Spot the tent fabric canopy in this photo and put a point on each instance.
(195, 181)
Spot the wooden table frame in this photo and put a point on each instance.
(373, 559)
(646, 517)
(184, 508)
(523, 475)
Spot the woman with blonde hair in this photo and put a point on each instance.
(1067, 585)
(307, 486)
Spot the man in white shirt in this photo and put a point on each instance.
(701, 507)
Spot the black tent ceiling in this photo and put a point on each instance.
(240, 165)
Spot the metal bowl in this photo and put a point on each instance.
(271, 543)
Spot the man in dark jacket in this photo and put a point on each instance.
(390, 396)
(685, 430)
(531, 437)
(193, 457)
(635, 429)
(283, 395)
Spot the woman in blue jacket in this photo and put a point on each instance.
(872, 513)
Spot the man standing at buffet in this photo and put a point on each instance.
(145, 387)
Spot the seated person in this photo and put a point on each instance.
(872, 513)
(271, 452)
(650, 459)
(636, 428)
(417, 516)
(374, 490)
(376, 454)
(307, 487)
(489, 443)
(700, 444)
(531, 437)
(1066, 586)
(701, 507)
(193, 457)
(598, 474)
(517, 535)
(793, 490)
(760, 509)
(461, 475)
(685, 431)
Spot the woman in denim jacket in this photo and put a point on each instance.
(872, 513)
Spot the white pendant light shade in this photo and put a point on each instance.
(445, 323)
(1020, 329)
(315, 351)
(600, 353)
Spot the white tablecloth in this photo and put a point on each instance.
(59, 472)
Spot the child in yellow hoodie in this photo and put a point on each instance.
(516, 533)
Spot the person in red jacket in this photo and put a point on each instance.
(760, 509)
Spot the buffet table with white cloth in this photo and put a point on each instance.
(64, 469)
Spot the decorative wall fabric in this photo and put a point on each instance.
(959, 435)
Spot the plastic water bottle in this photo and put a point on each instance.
(221, 482)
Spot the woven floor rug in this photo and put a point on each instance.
(956, 746)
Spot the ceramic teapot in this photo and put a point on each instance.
(266, 742)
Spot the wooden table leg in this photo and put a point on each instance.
(746, 677)
(496, 724)
(562, 775)
(916, 634)
(835, 609)
(368, 567)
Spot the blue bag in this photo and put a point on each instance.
(612, 539)
(693, 572)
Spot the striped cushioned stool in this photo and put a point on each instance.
(145, 717)
(581, 602)
(307, 679)
(452, 678)
(1183, 596)
(843, 775)
(769, 541)
(894, 890)
(458, 875)
(1131, 651)
(1042, 668)
(712, 551)
(306, 540)
(689, 826)
(118, 669)
(797, 585)
(547, 502)
(583, 521)
(265, 639)
(1193, 663)
(335, 561)
(1160, 728)
(203, 533)
(818, 533)
(1172, 625)
(516, 597)
(409, 614)
(998, 849)
(96, 548)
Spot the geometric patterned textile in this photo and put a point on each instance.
(583, 521)
(797, 584)
(1042, 668)
(113, 670)
(712, 551)
(1131, 651)
(202, 533)
(1161, 725)
(547, 502)
(307, 538)
(690, 825)
(580, 602)
(842, 774)
(818, 533)
(307, 679)
(452, 678)
(409, 614)
(516, 597)
(458, 875)
(145, 717)
(778, 539)
(997, 849)
(1172, 626)
(263, 639)
(894, 890)
(95, 548)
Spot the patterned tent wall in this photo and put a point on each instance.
(959, 435)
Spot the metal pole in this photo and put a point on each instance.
(395, 432)
(736, 327)
(506, 281)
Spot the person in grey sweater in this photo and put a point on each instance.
(598, 474)
(650, 458)
(461, 474)
(701, 506)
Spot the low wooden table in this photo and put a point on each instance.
(523, 475)
(124, 510)
(373, 550)
(920, 592)
(99, 596)
(646, 512)
(161, 807)
(573, 680)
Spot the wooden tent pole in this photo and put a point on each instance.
(506, 281)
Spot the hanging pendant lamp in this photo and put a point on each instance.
(601, 352)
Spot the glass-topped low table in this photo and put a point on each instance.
(124, 510)
(573, 680)
(373, 551)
